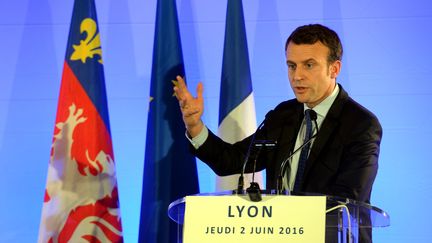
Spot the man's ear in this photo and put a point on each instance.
(335, 68)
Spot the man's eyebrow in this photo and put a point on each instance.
(309, 60)
(305, 61)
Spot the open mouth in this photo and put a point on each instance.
(300, 89)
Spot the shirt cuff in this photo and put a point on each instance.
(198, 140)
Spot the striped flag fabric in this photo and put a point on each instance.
(237, 118)
(170, 169)
(81, 201)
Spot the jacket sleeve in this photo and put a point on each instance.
(222, 157)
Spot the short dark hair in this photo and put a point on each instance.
(310, 34)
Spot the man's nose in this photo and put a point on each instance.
(297, 75)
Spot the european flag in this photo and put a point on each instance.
(237, 118)
(169, 169)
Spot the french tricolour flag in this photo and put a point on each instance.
(237, 118)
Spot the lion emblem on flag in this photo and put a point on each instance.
(81, 198)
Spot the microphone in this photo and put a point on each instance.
(254, 191)
(265, 143)
(240, 183)
(284, 164)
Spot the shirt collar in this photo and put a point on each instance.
(322, 108)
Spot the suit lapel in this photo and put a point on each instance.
(331, 121)
(288, 135)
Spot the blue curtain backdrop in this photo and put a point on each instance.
(385, 68)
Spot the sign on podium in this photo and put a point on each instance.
(228, 217)
(216, 219)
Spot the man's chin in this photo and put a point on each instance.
(301, 99)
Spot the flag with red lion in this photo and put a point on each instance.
(81, 201)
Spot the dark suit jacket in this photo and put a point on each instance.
(343, 160)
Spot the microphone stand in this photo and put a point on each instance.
(240, 184)
(254, 191)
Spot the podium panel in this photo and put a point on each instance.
(346, 220)
(215, 219)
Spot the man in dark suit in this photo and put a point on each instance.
(343, 157)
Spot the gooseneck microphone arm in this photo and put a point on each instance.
(240, 183)
(254, 191)
(284, 164)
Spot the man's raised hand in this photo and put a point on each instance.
(191, 107)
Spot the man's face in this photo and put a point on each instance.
(312, 79)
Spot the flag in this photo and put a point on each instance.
(81, 196)
(169, 169)
(237, 118)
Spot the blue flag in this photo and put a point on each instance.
(169, 169)
(237, 118)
